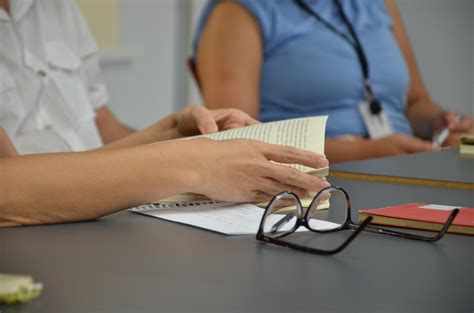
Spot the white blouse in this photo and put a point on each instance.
(50, 80)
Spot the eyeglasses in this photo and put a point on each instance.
(285, 214)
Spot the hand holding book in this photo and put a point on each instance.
(297, 143)
(253, 176)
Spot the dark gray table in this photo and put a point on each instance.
(446, 166)
(132, 263)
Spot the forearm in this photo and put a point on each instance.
(357, 148)
(421, 111)
(160, 131)
(114, 132)
(56, 188)
(6, 146)
(352, 148)
(191, 121)
(110, 128)
(345, 149)
(423, 115)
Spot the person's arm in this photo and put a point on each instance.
(229, 59)
(110, 128)
(68, 187)
(6, 146)
(353, 148)
(86, 48)
(426, 117)
(192, 120)
(5, 4)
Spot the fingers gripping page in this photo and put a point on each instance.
(304, 133)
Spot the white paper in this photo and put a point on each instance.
(222, 217)
(439, 207)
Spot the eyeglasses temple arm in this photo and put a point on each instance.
(351, 237)
(280, 223)
(437, 237)
(262, 237)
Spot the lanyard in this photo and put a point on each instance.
(374, 104)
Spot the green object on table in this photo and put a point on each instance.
(18, 288)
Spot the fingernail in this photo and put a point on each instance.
(207, 129)
(324, 184)
(323, 162)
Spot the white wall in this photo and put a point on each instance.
(142, 81)
(442, 36)
(154, 81)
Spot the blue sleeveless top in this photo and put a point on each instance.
(309, 70)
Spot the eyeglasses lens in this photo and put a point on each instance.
(328, 211)
(281, 216)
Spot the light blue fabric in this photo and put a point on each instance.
(309, 70)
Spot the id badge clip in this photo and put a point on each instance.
(376, 121)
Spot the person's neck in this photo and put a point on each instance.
(4, 4)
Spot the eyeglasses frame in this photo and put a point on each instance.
(349, 224)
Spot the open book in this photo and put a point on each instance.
(241, 218)
(304, 133)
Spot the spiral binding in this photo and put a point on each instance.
(160, 205)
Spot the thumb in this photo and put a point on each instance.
(204, 121)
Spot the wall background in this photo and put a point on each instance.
(148, 78)
(442, 36)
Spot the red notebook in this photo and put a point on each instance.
(422, 216)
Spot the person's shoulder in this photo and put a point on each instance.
(261, 9)
(262, 4)
(60, 13)
(63, 21)
(265, 7)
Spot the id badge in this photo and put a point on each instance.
(378, 125)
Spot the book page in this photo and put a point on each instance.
(305, 133)
(224, 217)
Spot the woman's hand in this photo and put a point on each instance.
(458, 125)
(192, 120)
(245, 170)
(396, 145)
(196, 119)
